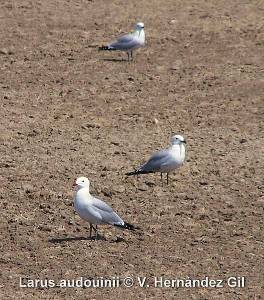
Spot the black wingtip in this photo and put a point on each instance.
(103, 48)
(127, 226)
(137, 172)
(106, 48)
(132, 173)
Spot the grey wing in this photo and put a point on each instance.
(157, 161)
(101, 205)
(127, 38)
(106, 212)
(125, 42)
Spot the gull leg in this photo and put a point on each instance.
(127, 56)
(91, 229)
(161, 178)
(167, 178)
(96, 232)
(131, 55)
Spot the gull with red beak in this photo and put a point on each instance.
(94, 210)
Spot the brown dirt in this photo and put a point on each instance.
(68, 111)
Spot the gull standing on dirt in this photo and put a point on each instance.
(128, 42)
(164, 161)
(94, 210)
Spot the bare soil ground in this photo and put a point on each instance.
(68, 110)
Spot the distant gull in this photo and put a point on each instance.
(94, 210)
(128, 42)
(164, 161)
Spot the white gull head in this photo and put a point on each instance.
(177, 140)
(81, 182)
(139, 26)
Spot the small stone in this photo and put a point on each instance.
(45, 228)
(260, 201)
(229, 205)
(108, 194)
(115, 143)
(203, 183)
(28, 188)
(176, 65)
(242, 141)
(5, 51)
(119, 189)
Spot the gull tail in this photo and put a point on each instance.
(106, 48)
(127, 226)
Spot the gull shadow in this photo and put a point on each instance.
(92, 46)
(69, 239)
(149, 183)
(114, 59)
(118, 239)
(77, 238)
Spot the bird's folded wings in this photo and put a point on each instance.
(127, 38)
(101, 205)
(157, 160)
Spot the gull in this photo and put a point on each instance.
(166, 160)
(94, 210)
(128, 42)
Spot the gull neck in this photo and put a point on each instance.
(83, 188)
(139, 31)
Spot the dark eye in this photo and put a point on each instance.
(83, 181)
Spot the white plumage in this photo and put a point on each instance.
(164, 161)
(128, 42)
(94, 210)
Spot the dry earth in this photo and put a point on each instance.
(68, 110)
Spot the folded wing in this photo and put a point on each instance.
(157, 162)
(125, 42)
(108, 216)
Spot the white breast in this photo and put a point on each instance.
(84, 208)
